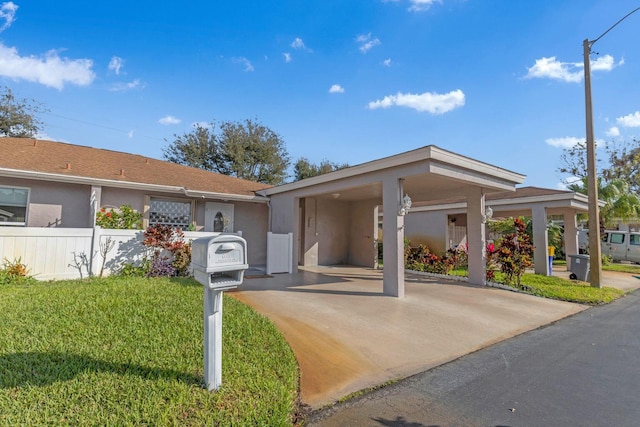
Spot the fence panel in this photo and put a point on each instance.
(279, 253)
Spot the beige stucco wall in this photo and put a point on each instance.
(427, 228)
(55, 204)
(253, 220)
(363, 233)
(326, 231)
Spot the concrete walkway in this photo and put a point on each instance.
(347, 336)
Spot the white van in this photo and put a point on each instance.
(621, 245)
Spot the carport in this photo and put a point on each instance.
(534, 202)
(334, 217)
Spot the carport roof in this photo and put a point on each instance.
(510, 200)
(442, 165)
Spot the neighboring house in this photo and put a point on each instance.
(53, 184)
(442, 224)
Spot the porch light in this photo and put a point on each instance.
(488, 214)
(405, 206)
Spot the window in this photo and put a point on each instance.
(13, 205)
(617, 238)
(170, 212)
(634, 239)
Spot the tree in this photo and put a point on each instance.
(622, 162)
(198, 149)
(18, 117)
(304, 169)
(246, 150)
(253, 151)
(620, 201)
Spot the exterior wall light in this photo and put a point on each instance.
(405, 206)
(488, 214)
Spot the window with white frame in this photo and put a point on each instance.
(13, 205)
(170, 212)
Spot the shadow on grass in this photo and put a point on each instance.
(44, 368)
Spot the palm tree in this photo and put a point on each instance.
(620, 201)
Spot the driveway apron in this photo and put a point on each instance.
(348, 336)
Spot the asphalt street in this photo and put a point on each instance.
(581, 371)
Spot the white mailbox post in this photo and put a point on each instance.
(219, 264)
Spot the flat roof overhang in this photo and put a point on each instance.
(428, 173)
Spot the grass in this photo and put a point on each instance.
(567, 290)
(619, 267)
(559, 288)
(129, 352)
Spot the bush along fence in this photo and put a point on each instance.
(74, 253)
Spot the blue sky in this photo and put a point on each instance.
(348, 81)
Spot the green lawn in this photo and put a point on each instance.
(619, 267)
(558, 288)
(130, 352)
(567, 290)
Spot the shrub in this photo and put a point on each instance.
(15, 272)
(161, 267)
(162, 239)
(123, 218)
(515, 253)
(421, 258)
(131, 269)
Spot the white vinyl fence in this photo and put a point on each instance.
(279, 253)
(72, 253)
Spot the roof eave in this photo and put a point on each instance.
(74, 179)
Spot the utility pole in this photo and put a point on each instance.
(595, 252)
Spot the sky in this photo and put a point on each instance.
(501, 81)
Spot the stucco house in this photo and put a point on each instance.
(331, 219)
(54, 184)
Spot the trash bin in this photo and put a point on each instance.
(579, 267)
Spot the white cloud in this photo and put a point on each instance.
(169, 120)
(121, 86)
(366, 42)
(387, 62)
(613, 131)
(551, 68)
(336, 89)
(630, 120)
(570, 72)
(8, 13)
(433, 103)
(564, 142)
(287, 57)
(50, 70)
(130, 133)
(297, 43)
(422, 5)
(244, 61)
(115, 64)
(605, 63)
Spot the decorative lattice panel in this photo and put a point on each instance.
(167, 212)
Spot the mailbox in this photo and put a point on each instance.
(219, 262)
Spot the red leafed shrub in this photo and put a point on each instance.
(515, 253)
(164, 237)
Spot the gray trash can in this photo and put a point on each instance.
(579, 267)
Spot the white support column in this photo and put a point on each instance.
(476, 236)
(570, 235)
(393, 238)
(540, 240)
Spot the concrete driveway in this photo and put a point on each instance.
(347, 336)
